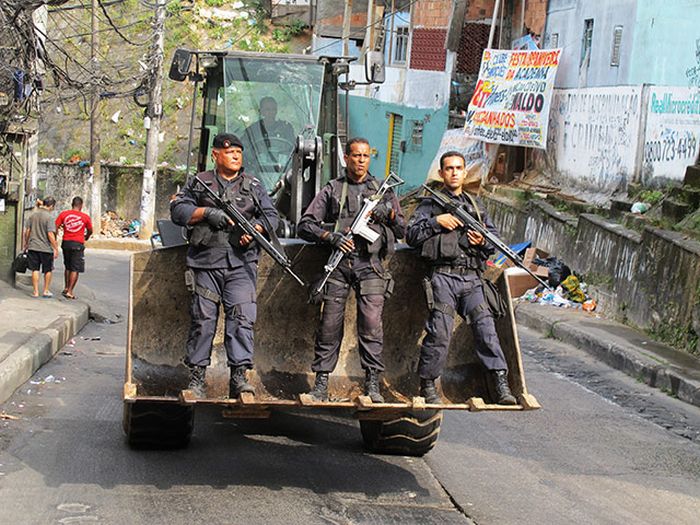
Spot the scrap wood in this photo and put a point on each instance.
(3, 415)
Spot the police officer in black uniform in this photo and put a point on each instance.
(457, 258)
(222, 262)
(336, 205)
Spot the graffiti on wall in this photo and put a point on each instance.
(672, 134)
(594, 134)
(693, 73)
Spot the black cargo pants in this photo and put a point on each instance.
(235, 289)
(370, 288)
(463, 295)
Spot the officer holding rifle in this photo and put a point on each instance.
(327, 220)
(222, 262)
(454, 286)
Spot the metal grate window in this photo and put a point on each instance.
(587, 43)
(401, 49)
(617, 43)
(554, 41)
(395, 138)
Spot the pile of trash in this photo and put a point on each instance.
(111, 225)
(569, 290)
(570, 293)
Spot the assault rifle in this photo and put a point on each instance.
(471, 223)
(276, 252)
(360, 226)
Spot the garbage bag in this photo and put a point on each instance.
(558, 271)
(20, 263)
(573, 289)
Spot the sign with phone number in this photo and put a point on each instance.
(672, 135)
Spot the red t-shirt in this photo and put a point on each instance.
(74, 224)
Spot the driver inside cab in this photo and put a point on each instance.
(268, 132)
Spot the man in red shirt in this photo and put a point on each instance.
(77, 228)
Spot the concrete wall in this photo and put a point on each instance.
(121, 188)
(666, 43)
(566, 18)
(651, 280)
(594, 136)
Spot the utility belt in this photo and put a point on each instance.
(454, 270)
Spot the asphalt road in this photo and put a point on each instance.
(604, 449)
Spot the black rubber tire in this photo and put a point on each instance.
(150, 425)
(410, 434)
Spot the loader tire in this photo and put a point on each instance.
(150, 425)
(409, 434)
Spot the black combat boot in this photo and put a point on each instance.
(238, 383)
(197, 377)
(320, 390)
(499, 389)
(428, 391)
(372, 385)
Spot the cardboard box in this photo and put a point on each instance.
(520, 281)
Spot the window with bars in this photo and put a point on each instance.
(616, 44)
(554, 41)
(401, 45)
(587, 43)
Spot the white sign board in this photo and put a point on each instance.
(511, 100)
(672, 135)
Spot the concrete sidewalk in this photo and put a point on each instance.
(32, 330)
(626, 349)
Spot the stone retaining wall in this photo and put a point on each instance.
(650, 279)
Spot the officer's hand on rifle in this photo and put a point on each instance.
(341, 242)
(383, 213)
(247, 239)
(217, 218)
(449, 221)
(475, 238)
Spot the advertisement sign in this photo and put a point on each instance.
(512, 97)
(672, 135)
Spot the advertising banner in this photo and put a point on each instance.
(512, 97)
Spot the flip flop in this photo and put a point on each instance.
(68, 296)
(47, 295)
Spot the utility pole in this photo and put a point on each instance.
(492, 32)
(347, 22)
(151, 122)
(95, 157)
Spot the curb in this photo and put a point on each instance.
(18, 367)
(651, 370)
(114, 243)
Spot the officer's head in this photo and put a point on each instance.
(357, 157)
(452, 170)
(227, 152)
(268, 108)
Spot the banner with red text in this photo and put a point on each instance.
(512, 97)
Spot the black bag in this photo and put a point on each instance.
(21, 263)
(494, 300)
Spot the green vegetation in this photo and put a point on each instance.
(286, 33)
(681, 337)
(651, 196)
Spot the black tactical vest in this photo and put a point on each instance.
(238, 193)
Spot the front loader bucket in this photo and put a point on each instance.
(284, 339)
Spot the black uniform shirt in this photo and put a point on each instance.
(423, 223)
(225, 256)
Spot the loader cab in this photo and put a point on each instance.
(267, 102)
(283, 107)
